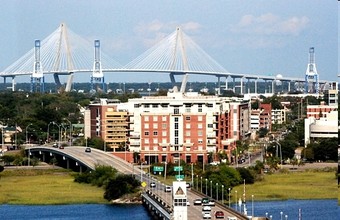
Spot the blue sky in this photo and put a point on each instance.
(255, 37)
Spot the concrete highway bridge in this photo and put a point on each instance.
(75, 158)
(158, 202)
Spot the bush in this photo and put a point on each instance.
(246, 175)
(121, 185)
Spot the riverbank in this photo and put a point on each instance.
(56, 186)
(307, 184)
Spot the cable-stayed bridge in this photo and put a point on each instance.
(64, 52)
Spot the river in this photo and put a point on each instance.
(310, 210)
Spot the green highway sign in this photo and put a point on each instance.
(178, 168)
(179, 177)
(158, 169)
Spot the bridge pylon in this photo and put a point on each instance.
(311, 76)
(97, 73)
(37, 77)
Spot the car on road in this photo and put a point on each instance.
(167, 189)
(188, 185)
(206, 208)
(211, 202)
(152, 184)
(55, 145)
(206, 215)
(205, 201)
(88, 150)
(219, 214)
(197, 202)
(61, 147)
(188, 203)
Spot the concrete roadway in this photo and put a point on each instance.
(194, 211)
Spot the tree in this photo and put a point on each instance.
(263, 132)
(54, 161)
(8, 159)
(121, 185)
(246, 175)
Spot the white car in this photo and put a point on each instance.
(206, 208)
(206, 215)
(188, 203)
(167, 189)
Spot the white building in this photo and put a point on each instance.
(324, 127)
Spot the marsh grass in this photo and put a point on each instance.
(37, 187)
(293, 185)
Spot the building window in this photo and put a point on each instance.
(146, 118)
(164, 140)
(154, 105)
(200, 141)
(176, 125)
(146, 105)
(136, 105)
(146, 126)
(187, 110)
(200, 118)
(176, 142)
(199, 133)
(164, 118)
(210, 105)
(187, 118)
(187, 126)
(155, 133)
(188, 133)
(164, 133)
(176, 119)
(155, 125)
(176, 111)
(146, 133)
(164, 125)
(155, 140)
(146, 141)
(199, 126)
(176, 133)
(210, 125)
(155, 118)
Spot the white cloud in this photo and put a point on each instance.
(270, 24)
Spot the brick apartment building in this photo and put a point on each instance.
(165, 128)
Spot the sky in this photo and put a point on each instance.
(249, 37)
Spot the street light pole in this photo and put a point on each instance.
(217, 192)
(211, 188)
(229, 196)
(280, 153)
(206, 188)
(252, 206)
(281, 214)
(29, 148)
(70, 130)
(223, 195)
(201, 184)
(236, 200)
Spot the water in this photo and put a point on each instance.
(310, 210)
(74, 212)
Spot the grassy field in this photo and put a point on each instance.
(294, 185)
(46, 187)
(33, 187)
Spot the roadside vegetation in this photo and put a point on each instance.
(115, 185)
